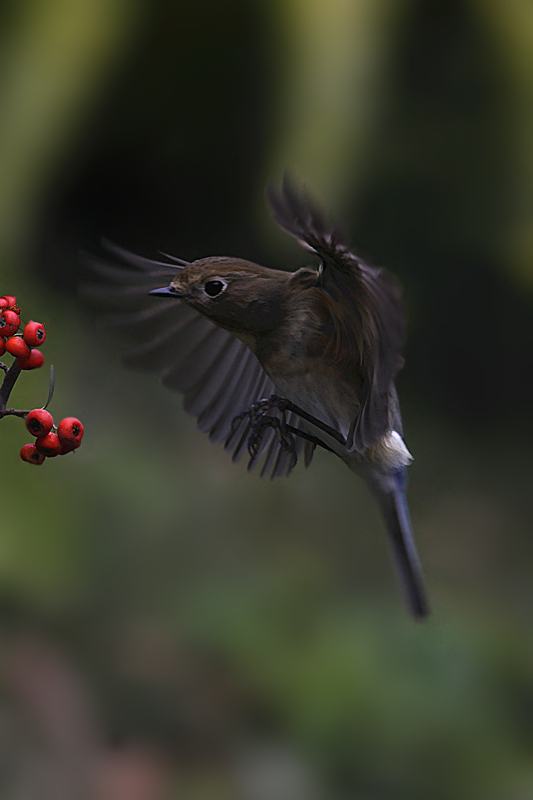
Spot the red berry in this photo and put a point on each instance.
(11, 300)
(68, 447)
(30, 454)
(3, 302)
(48, 445)
(34, 334)
(70, 430)
(39, 422)
(9, 323)
(34, 360)
(2, 346)
(17, 347)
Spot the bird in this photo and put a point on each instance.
(277, 363)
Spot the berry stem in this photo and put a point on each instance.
(52, 386)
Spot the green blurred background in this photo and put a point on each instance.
(171, 626)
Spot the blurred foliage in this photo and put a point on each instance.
(172, 626)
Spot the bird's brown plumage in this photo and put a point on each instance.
(328, 339)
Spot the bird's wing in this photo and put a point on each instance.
(217, 374)
(368, 315)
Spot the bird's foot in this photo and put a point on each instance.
(261, 420)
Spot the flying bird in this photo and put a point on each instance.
(277, 363)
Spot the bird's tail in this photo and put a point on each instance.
(391, 496)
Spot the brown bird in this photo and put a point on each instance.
(278, 363)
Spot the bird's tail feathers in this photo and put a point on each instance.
(392, 500)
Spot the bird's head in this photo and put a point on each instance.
(240, 296)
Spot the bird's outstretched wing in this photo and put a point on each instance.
(217, 374)
(369, 320)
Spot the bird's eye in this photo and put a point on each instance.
(212, 288)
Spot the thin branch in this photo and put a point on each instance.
(8, 383)
(13, 412)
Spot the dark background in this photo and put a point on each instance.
(172, 626)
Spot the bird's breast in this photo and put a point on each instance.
(314, 385)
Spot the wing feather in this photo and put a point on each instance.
(217, 374)
(368, 330)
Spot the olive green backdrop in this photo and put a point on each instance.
(171, 626)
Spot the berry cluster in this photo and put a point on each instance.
(50, 441)
(23, 347)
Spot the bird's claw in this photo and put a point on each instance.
(261, 421)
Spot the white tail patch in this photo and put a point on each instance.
(390, 452)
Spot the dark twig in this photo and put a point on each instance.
(7, 385)
(14, 412)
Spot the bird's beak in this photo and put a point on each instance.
(166, 291)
